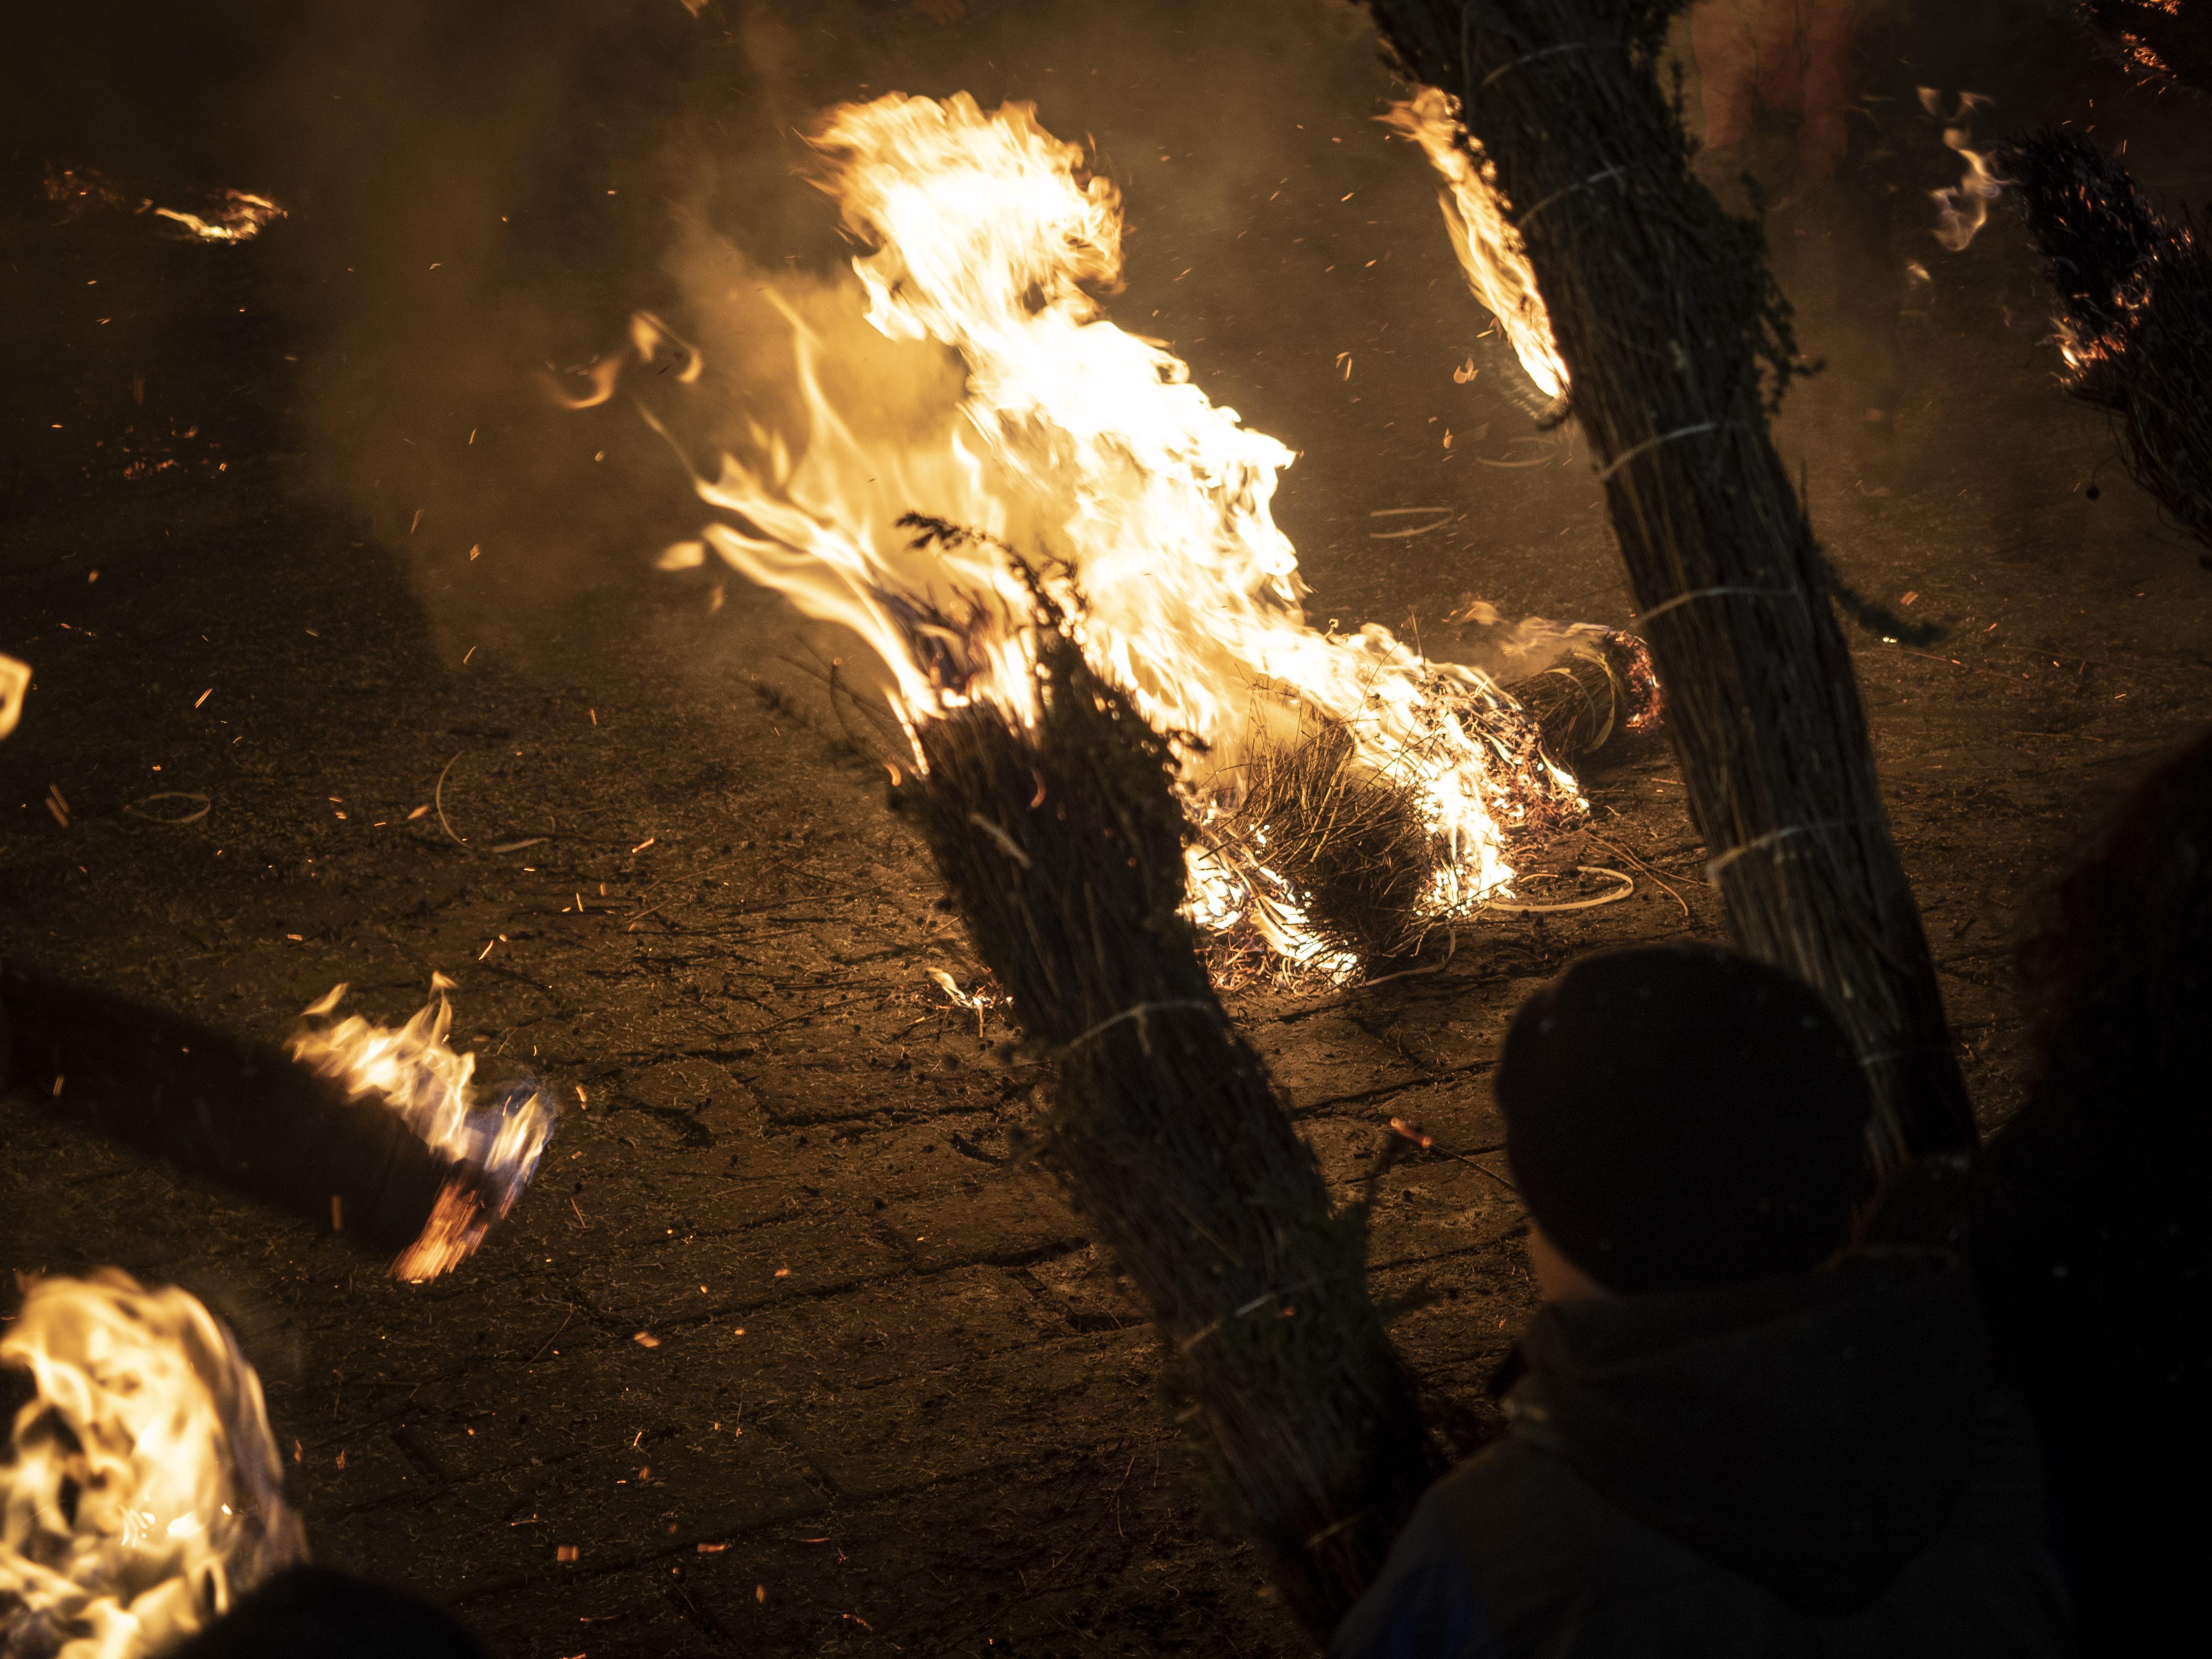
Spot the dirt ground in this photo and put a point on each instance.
(893, 1401)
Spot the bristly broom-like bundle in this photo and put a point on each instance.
(2160, 42)
(241, 1113)
(2136, 292)
(1060, 840)
(1347, 839)
(1603, 685)
(1664, 316)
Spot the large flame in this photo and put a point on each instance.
(145, 1492)
(1489, 247)
(1149, 506)
(414, 1072)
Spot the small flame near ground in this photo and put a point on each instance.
(973, 379)
(145, 1492)
(240, 217)
(413, 1071)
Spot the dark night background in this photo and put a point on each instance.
(952, 1440)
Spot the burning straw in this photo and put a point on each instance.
(1060, 834)
(1664, 316)
(375, 1132)
(2136, 332)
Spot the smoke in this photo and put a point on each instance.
(471, 191)
(478, 194)
(1963, 208)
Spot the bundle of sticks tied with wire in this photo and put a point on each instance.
(1052, 812)
(2135, 287)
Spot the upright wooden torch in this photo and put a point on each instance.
(1061, 843)
(1676, 345)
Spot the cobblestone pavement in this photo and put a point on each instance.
(785, 1344)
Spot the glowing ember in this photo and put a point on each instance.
(1488, 246)
(1008, 405)
(145, 1492)
(493, 1148)
(74, 190)
(239, 219)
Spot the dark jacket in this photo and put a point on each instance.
(1818, 1466)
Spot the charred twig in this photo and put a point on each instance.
(1658, 880)
(551, 1340)
(438, 798)
(1415, 1135)
(1624, 885)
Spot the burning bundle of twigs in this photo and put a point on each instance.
(968, 372)
(2160, 42)
(1052, 810)
(376, 1131)
(2136, 328)
(1600, 682)
(490, 1147)
(1343, 847)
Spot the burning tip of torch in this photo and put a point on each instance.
(491, 1149)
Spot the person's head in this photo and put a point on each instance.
(318, 1613)
(2117, 970)
(1679, 1115)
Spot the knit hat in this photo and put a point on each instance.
(1680, 1115)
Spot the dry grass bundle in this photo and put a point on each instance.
(1605, 685)
(1061, 842)
(1348, 843)
(2136, 290)
(1676, 345)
